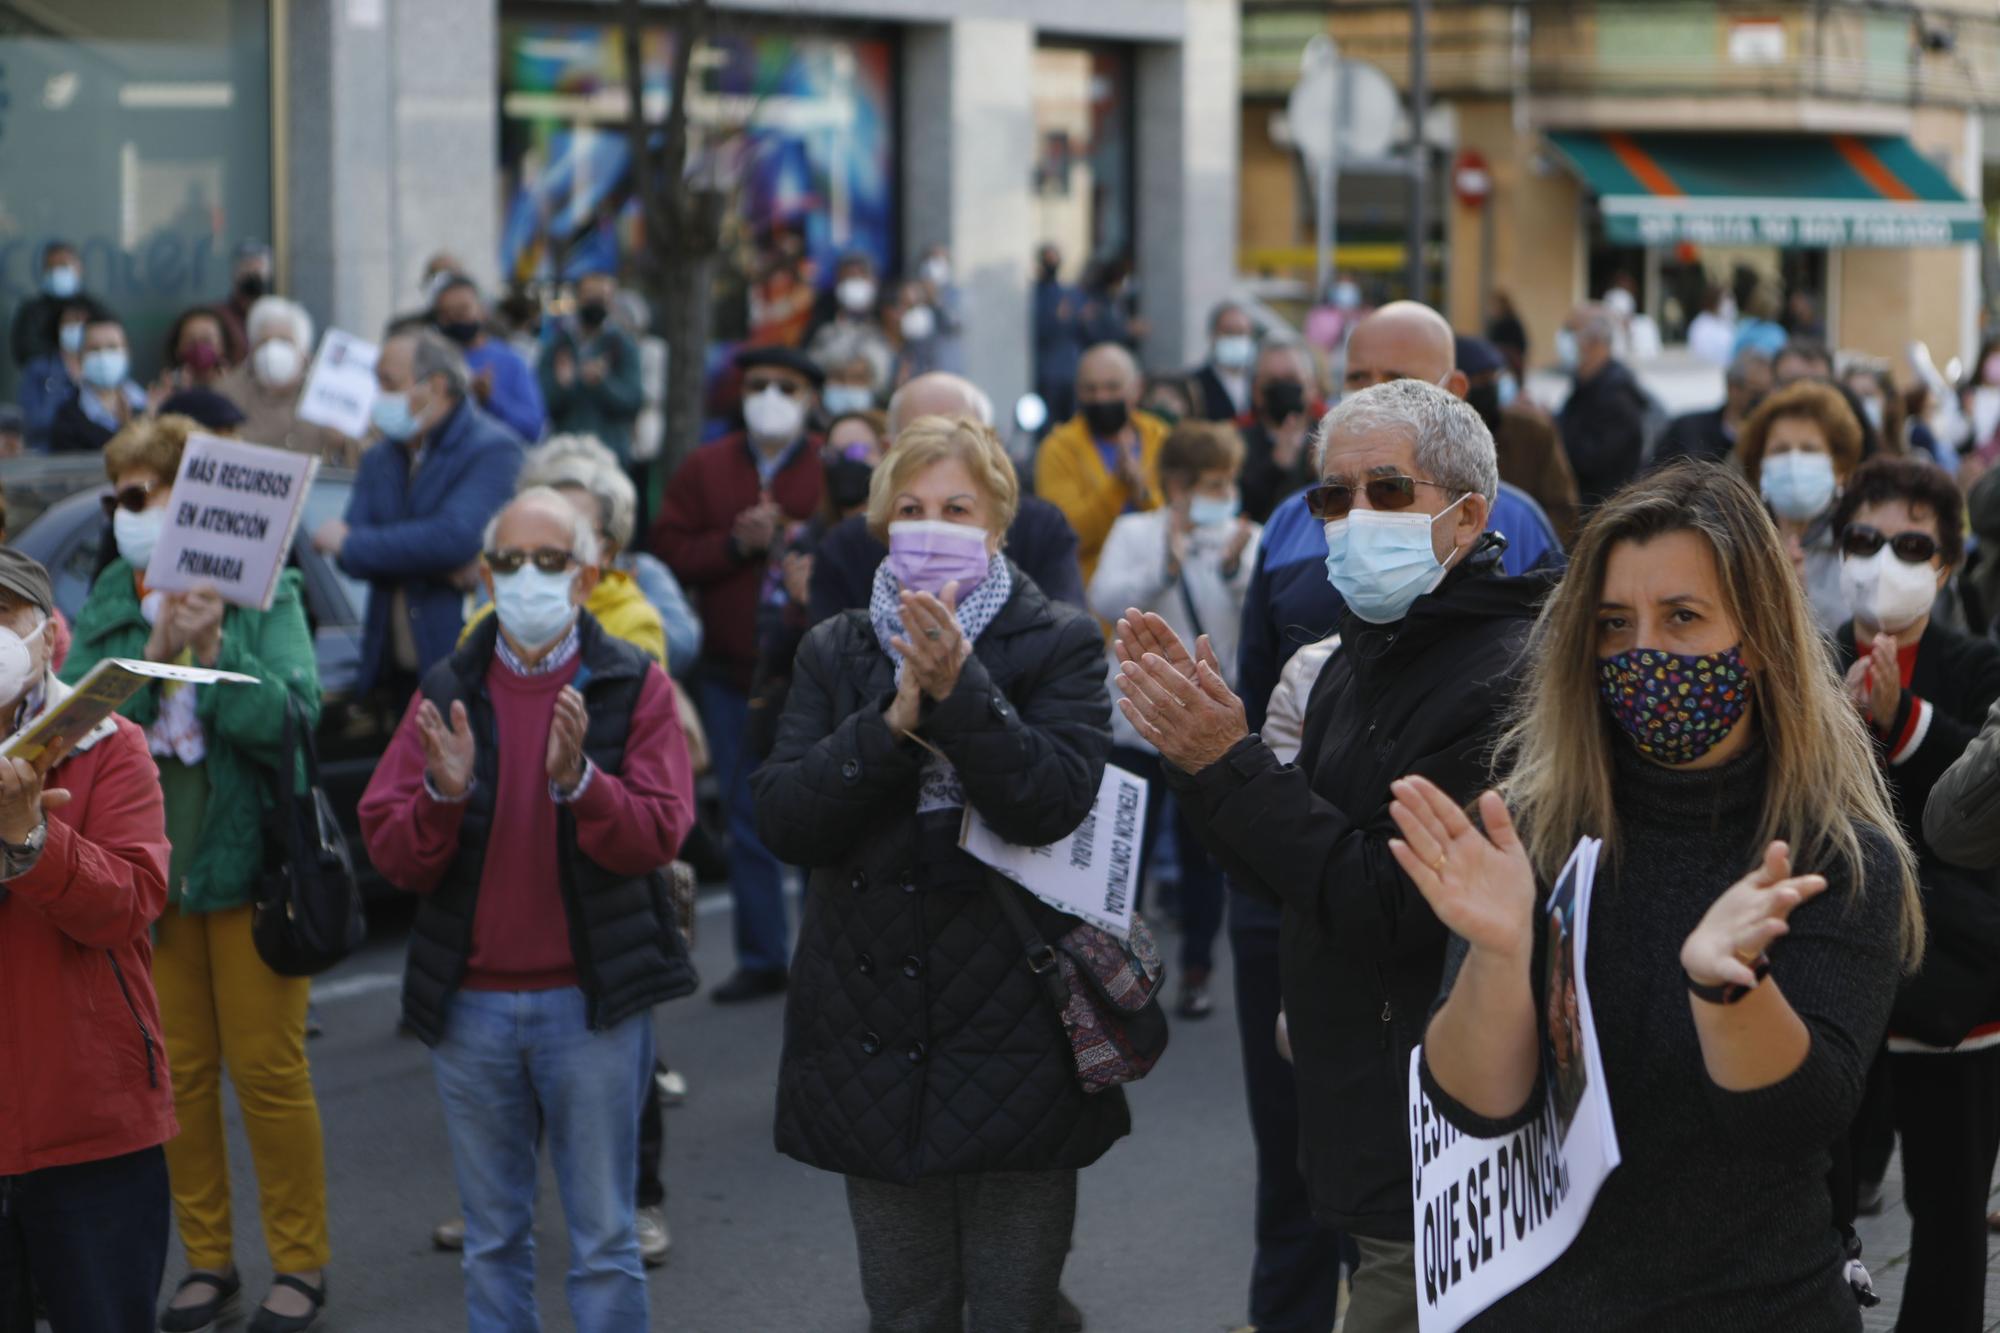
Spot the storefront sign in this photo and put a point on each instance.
(1702, 224)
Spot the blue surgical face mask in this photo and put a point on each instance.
(391, 416)
(105, 368)
(1510, 389)
(1208, 511)
(843, 398)
(1797, 485)
(70, 338)
(1567, 352)
(1380, 562)
(534, 607)
(62, 281)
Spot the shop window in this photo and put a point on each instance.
(1083, 157)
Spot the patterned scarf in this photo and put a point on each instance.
(941, 789)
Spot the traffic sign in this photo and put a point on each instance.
(1471, 180)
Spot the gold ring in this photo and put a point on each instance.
(1438, 868)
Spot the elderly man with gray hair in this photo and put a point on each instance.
(1711, 435)
(1429, 640)
(421, 499)
(1603, 422)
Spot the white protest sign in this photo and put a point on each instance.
(1090, 874)
(231, 521)
(1492, 1213)
(340, 388)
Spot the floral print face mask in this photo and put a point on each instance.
(1676, 708)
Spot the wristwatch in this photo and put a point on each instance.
(1730, 992)
(17, 858)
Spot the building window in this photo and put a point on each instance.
(140, 132)
(1083, 154)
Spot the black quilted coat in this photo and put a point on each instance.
(917, 1043)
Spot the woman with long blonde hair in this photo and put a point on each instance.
(1753, 905)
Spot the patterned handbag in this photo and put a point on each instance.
(1106, 991)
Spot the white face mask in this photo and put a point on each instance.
(1235, 351)
(1887, 593)
(277, 363)
(856, 295)
(773, 416)
(137, 534)
(17, 662)
(919, 323)
(534, 607)
(937, 270)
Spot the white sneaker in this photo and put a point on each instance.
(654, 1242)
(673, 1087)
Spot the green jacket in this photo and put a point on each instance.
(243, 725)
(606, 409)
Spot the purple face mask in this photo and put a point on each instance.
(927, 555)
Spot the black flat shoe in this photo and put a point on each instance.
(266, 1321)
(748, 985)
(196, 1318)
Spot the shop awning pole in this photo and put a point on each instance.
(1419, 153)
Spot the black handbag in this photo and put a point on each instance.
(309, 913)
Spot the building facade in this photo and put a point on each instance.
(1832, 149)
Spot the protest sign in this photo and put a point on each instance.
(1093, 873)
(105, 686)
(235, 509)
(1492, 1213)
(340, 387)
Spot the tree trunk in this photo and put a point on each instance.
(682, 312)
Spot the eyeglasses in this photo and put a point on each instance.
(1914, 548)
(132, 499)
(548, 559)
(1333, 499)
(756, 384)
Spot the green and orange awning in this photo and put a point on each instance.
(1787, 190)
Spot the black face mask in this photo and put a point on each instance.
(847, 482)
(593, 314)
(1283, 399)
(1106, 419)
(1485, 400)
(252, 286)
(463, 332)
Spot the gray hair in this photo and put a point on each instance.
(587, 463)
(431, 353)
(1595, 324)
(1453, 446)
(582, 537)
(1747, 360)
(277, 314)
(1301, 355)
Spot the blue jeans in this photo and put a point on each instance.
(511, 1062)
(756, 878)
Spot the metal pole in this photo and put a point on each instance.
(1419, 154)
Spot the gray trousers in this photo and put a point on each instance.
(954, 1253)
(1384, 1293)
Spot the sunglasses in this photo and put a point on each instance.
(1914, 548)
(756, 384)
(1331, 500)
(548, 559)
(132, 499)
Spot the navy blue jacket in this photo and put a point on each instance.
(416, 532)
(1290, 604)
(1040, 541)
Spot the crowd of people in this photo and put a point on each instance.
(1384, 637)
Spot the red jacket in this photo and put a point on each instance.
(716, 483)
(83, 1073)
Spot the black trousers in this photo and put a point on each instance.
(652, 1143)
(91, 1239)
(1295, 1278)
(1948, 1118)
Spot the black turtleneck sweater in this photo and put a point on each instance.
(1718, 1216)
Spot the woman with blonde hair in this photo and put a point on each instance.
(1797, 449)
(1753, 906)
(923, 1058)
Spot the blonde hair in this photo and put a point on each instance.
(1823, 779)
(149, 442)
(929, 440)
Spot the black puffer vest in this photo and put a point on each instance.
(629, 953)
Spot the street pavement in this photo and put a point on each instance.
(1163, 1235)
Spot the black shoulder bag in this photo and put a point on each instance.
(308, 910)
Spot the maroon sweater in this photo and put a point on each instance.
(716, 483)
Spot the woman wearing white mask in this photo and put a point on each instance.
(221, 1007)
(1188, 561)
(268, 383)
(1924, 690)
(1797, 450)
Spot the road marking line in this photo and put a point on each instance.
(349, 988)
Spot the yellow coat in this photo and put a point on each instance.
(621, 608)
(1070, 474)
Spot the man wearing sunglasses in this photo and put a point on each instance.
(724, 513)
(1432, 627)
(537, 786)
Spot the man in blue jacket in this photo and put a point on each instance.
(1295, 1275)
(421, 502)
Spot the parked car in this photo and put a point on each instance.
(71, 537)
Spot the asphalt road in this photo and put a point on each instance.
(1163, 1237)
